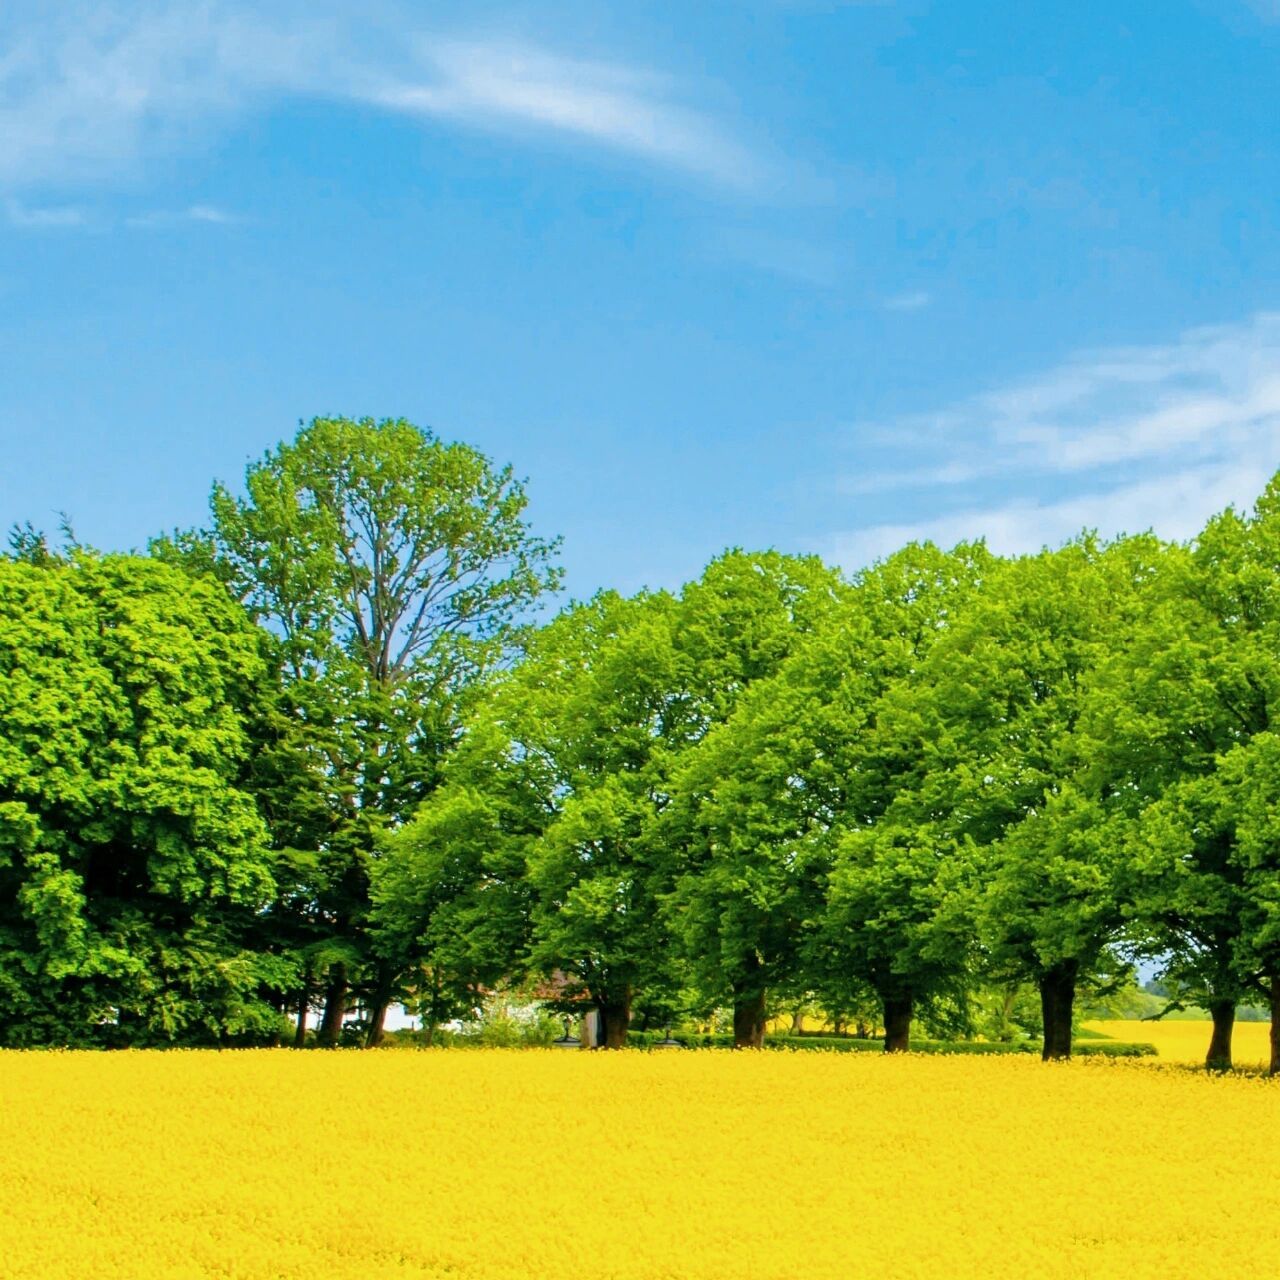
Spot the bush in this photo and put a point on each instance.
(846, 1044)
(507, 1024)
(354, 1034)
(1115, 1049)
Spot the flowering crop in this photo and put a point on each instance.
(1188, 1041)
(636, 1165)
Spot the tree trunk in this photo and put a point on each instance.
(1057, 996)
(1275, 1024)
(1004, 1030)
(897, 1022)
(384, 985)
(1223, 1013)
(300, 1034)
(748, 1005)
(748, 1021)
(335, 1007)
(377, 1016)
(861, 1031)
(615, 1018)
(797, 1023)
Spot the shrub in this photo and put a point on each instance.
(1115, 1049)
(846, 1044)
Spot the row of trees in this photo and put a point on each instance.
(201, 748)
(315, 757)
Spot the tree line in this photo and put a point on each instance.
(319, 757)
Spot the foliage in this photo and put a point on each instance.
(396, 570)
(768, 801)
(134, 865)
(545, 807)
(318, 756)
(1181, 729)
(992, 716)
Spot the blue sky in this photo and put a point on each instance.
(820, 276)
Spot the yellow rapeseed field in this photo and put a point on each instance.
(1189, 1041)
(639, 1165)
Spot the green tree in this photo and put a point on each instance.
(595, 871)
(573, 756)
(994, 714)
(1180, 726)
(547, 807)
(396, 570)
(134, 865)
(890, 923)
(765, 798)
(450, 900)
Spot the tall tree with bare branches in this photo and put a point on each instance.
(396, 570)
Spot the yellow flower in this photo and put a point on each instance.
(269, 1165)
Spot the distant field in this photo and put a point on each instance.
(1189, 1041)
(272, 1165)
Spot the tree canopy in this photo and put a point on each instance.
(396, 571)
(322, 757)
(134, 862)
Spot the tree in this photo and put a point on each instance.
(1053, 909)
(765, 798)
(134, 865)
(573, 756)
(659, 688)
(995, 712)
(396, 570)
(607, 732)
(738, 624)
(891, 923)
(449, 898)
(547, 806)
(1179, 728)
(1185, 893)
(747, 881)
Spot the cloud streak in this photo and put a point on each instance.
(21, 215)
(89, 90)
(1208, 392)
(1174, 505)
(914, 300)
(1127, 439)
(207, 214)
(616, 107)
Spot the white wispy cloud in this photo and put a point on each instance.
(913, 300)
(1128, 439)
(814, 261)
(198, 213)
(86, 89)
(1205, 396)
(90, 89)
(21, 215)
(209, 213)
(611, 105)
(1174, 505)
